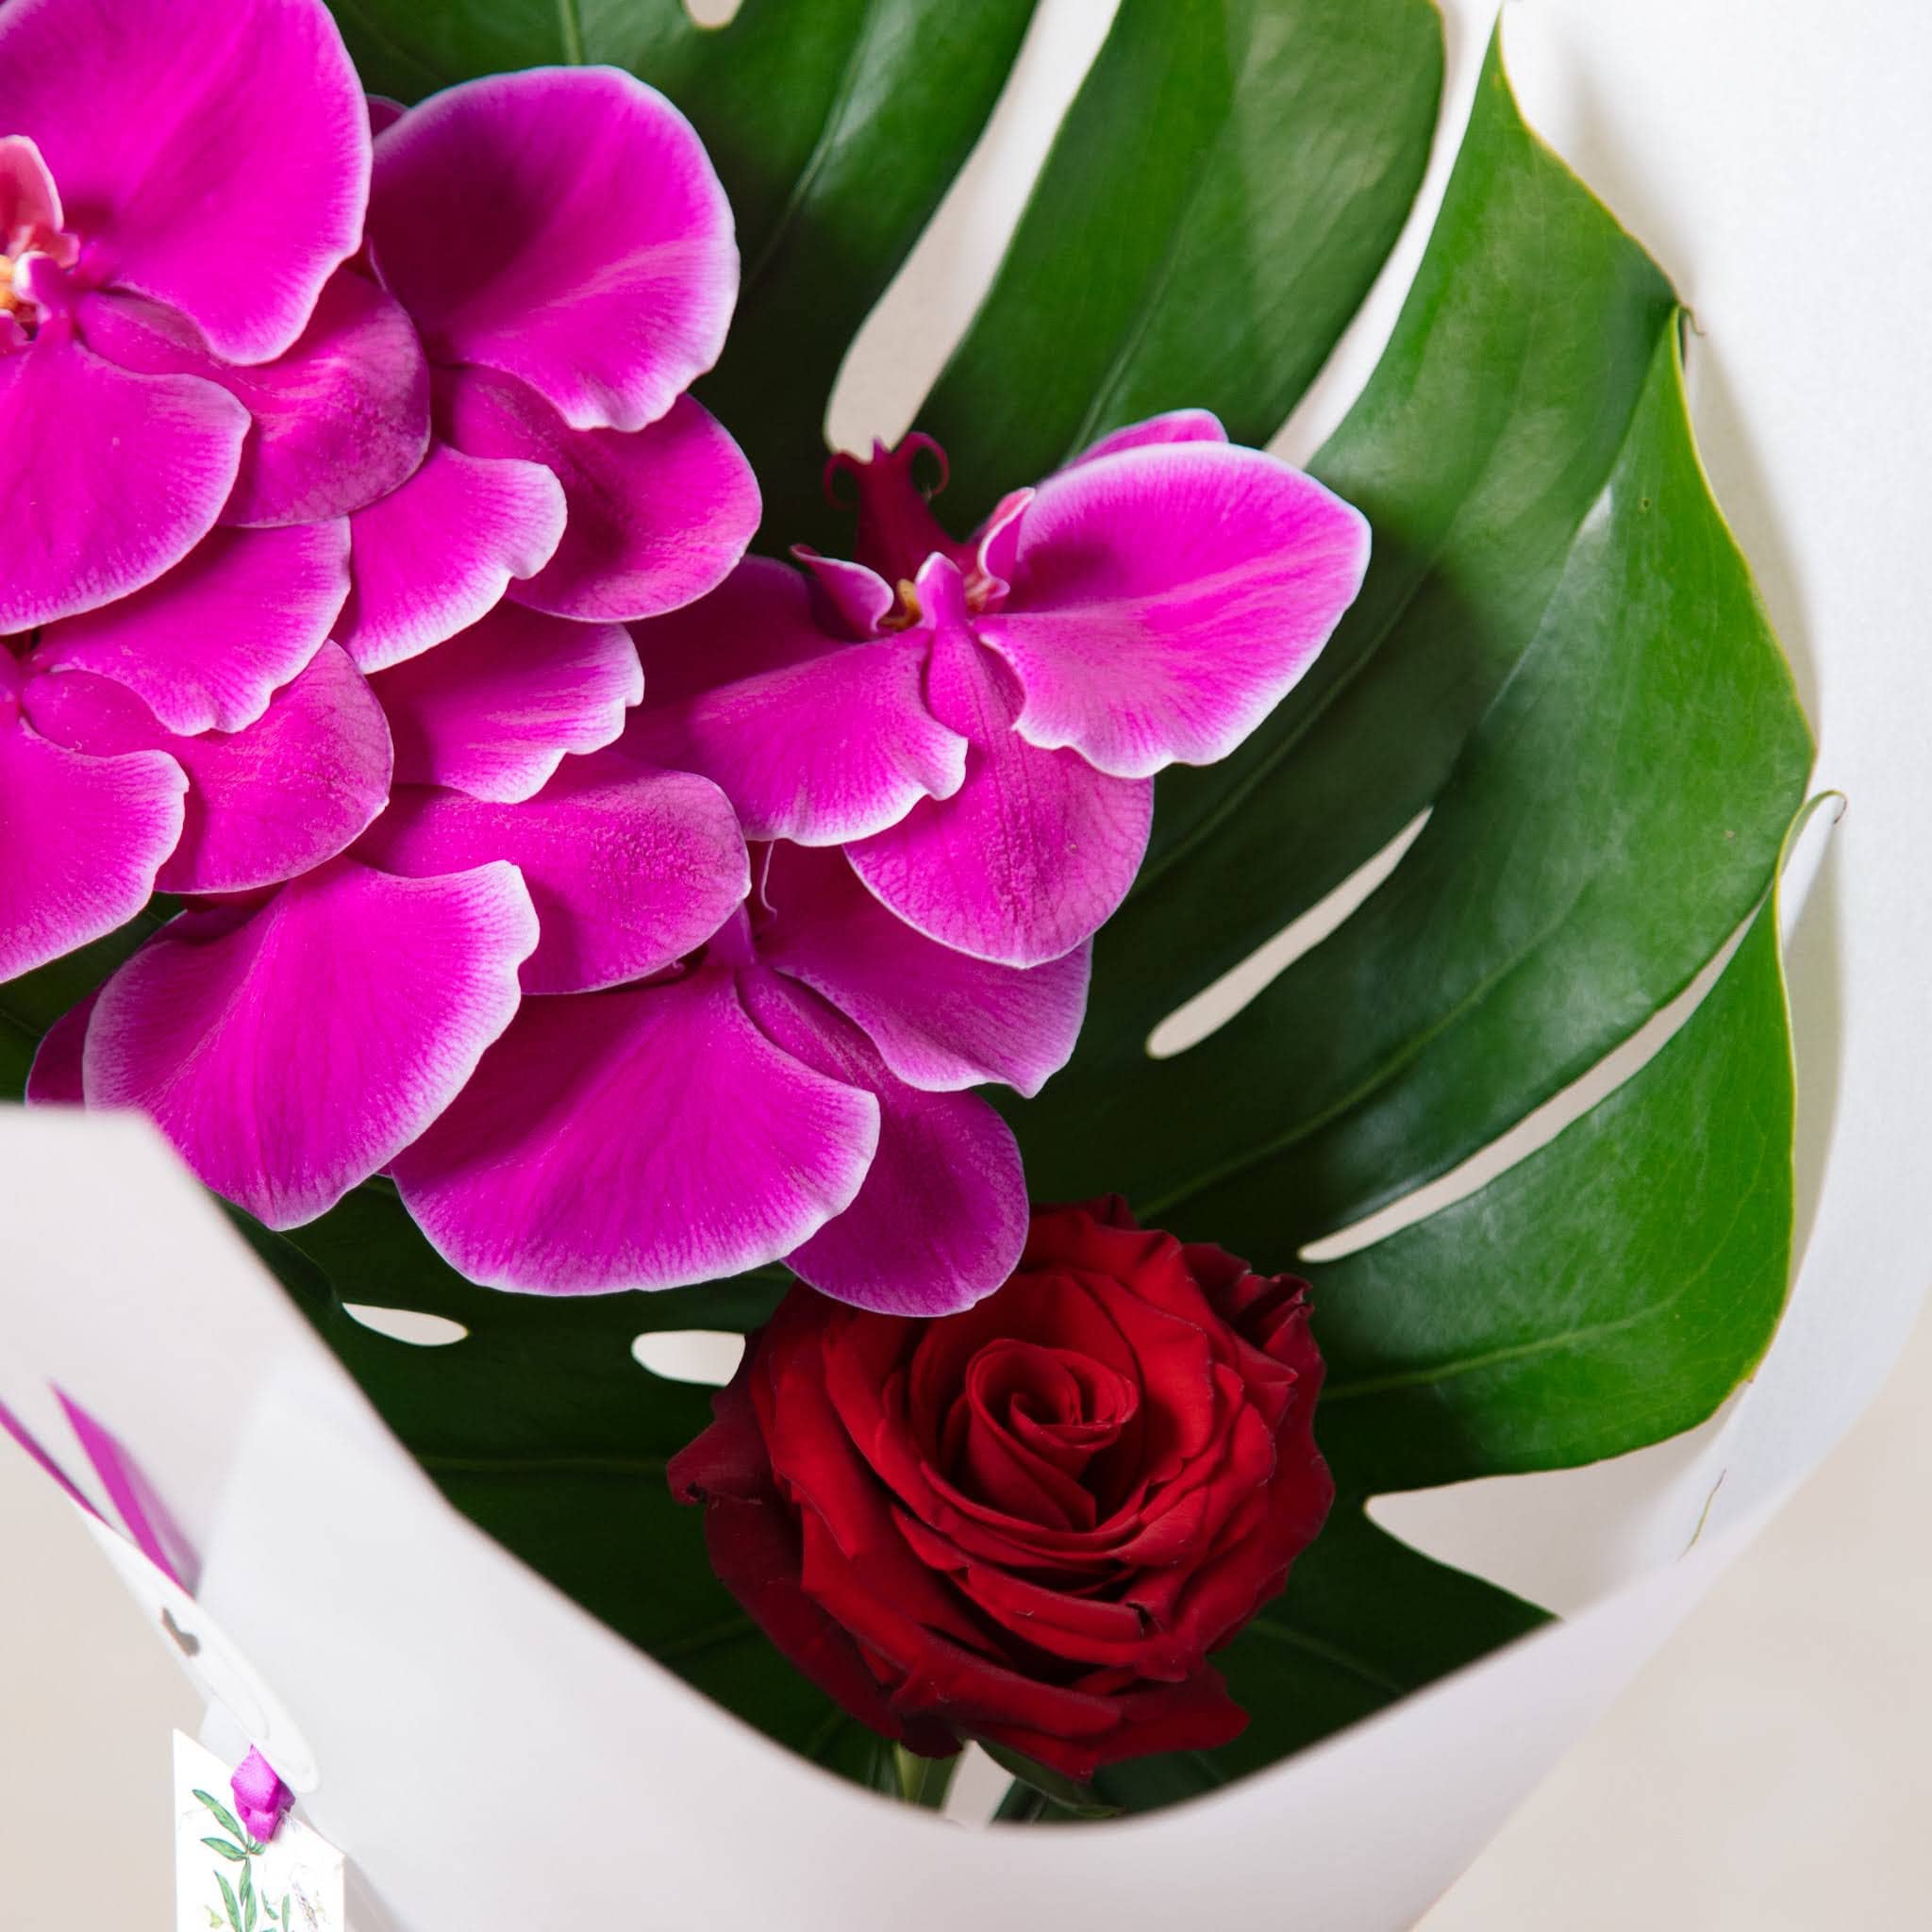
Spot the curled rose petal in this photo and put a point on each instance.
(646, 1138)
(565, 226)
(290, 1051)
(206, 646)
(496, 708)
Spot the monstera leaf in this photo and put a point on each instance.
(1558, 657)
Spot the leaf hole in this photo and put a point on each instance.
(1215, 1005)
(407, 1325)
(708, 1356)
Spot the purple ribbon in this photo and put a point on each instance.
(260, 1796)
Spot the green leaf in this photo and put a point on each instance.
(224, 1816)
(1069, 1794)
(836, 126)
(247, 1898)
(1223, 193)
(222, 1848)
(228, 1900)
(30, 1004)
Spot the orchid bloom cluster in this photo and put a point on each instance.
(646, 912)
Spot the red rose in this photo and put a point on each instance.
(1031, 1522)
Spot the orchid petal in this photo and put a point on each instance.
(206, 646)
(339, 420)
(495, 709)
(657, 516)
(1034, 850)
(53, 1079)
(811, 739)
(110, 478)
(288, 791)
(940, 1019)
(562, 226)
(646, 1138)
(1166, 598)
(629, 869)
(219, 164)
(436, 555)
(80, 842)
(942, 1219)
(290, 1052)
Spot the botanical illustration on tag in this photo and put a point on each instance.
(229, 1880)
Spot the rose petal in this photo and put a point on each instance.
(629, 869)
(940, 1019)
(206, 646)
(941, 1218)
(1033, 853)
(811, 739)
(1166, 598)
(290, 790)
(646, 1138)
(339, 420)
(80, 840)
(110, 478)
(657, 516)
(220, 166)
(495, 710)
(290, 1052)
(436, 555)
(563, 226)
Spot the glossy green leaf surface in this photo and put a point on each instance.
(1223, 192)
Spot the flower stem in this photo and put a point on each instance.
(924, 1781)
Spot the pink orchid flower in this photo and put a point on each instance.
(979, 724)
(563, 245)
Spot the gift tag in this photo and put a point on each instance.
(226, 1881)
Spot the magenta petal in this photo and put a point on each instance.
(563, 226)
(53, 1079)
(656, 517)
(80, 840)
(339, 420)
(434, 556)
(1166, 598)
(290, 1052)
(1177, 425)
(495, 709)
(290, 790)
(1034, 850)
(207, 645)
(110, 478)
(941, 1218)
(940, 1019)
(811, 739)
(647, 1137)
(629, 869)
(219, 165)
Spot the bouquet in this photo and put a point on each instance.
(1090, 948)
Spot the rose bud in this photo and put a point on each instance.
(1032, 1522)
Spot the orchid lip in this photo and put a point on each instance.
(36, 247)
